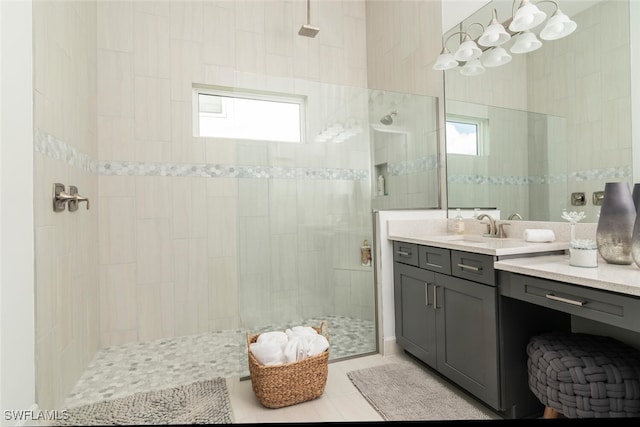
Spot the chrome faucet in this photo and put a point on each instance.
(515, 215)
(491, 227)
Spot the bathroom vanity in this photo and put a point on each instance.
(467, 307)
(445, 313)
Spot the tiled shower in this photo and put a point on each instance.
(188, 235)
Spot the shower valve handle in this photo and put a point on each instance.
(77, 199)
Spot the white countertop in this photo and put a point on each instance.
(478, 244)
(623, 279)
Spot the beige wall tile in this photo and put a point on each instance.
(115, 138)
(152, 49)
(186, 68)
(115, 25)
(115, 83)
(222, 223)
(65, 60)
(219, 48)
(117, 230)
(191, 293)
(189, 204)
(223, 288)
(187, 20)
(152, 109)
(110, 338)
(118, 297)
(154, 197)
(154, 251)
(155, 309)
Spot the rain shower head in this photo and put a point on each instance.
(308, 30)
(388, 119)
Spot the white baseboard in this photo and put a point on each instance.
(390, 347)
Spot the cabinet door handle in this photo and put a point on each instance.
(565, 300)
(403, 253)
(469, 267)
(426, 293)
(435, 296)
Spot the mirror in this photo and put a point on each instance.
(558, 119)
(404, 148)
(518, 163)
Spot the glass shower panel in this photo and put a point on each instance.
(304, 211)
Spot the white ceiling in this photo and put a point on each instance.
(455, 11)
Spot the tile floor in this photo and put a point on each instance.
(340, 402)
(124, 370)
(119, 371)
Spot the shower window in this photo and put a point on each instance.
(230, 113)
(464, 135)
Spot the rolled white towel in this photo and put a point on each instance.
(275, 337)
(301, 331)
(296, 349)
(317, 345)
(538, 235)
(267, 353)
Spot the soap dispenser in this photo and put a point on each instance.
(458, 223)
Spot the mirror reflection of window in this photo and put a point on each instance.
(464, 136)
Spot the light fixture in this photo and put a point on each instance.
(445, 61)
(495, 57)
(495, 34)
(468, 50)
(472, 68)
(558, 26)
(525, 42)
(527, 17)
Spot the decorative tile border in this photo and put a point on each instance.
(606, 173)
(209, 170)
(408, 167)
(589, 175)
(505, 180)
(51, 146)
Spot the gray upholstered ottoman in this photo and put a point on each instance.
(584, 376)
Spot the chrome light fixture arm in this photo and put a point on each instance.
(467, 50)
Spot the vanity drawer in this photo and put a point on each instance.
(602, 306)
(406, 253)
(471, 266)
(435, 259)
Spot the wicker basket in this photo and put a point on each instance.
(277, 386)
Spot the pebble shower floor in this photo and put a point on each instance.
(153, 365)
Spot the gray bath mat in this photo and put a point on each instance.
(406, 392)
(204, 402)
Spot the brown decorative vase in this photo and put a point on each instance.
(616, 224)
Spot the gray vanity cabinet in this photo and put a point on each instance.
(467, 343)
(448, 322)
(414, 314)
